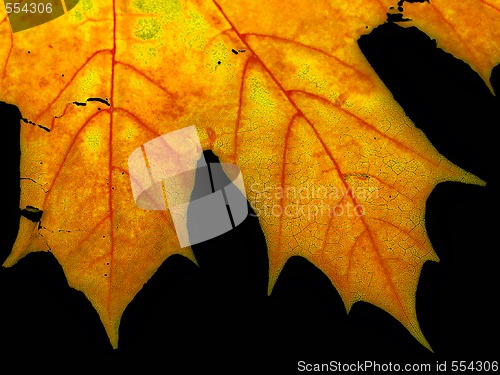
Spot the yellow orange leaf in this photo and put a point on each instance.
(334, 169)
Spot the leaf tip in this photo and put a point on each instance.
(112, 331)
(273, 277)
(270, 286)
(469, 178)
(417, 333)
(461, 175)
(114, 343)
(9, 262)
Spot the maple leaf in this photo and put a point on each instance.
(335, 170)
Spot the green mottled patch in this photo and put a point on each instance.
(77, 15)
(86, 5)
(168, 8)
(195, 30)
(147, 28)
(146, 55)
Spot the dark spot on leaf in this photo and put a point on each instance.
(25, 120)
(104, 101)
(396, 18)
(32, 213)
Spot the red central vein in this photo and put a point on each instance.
(137, 120)
(110, 166)
(147, 78)
(10, 49)
(453, 30)
(282, 180)
(320, 139)
(240, 104)
(66, 155)
(167, 217)
(370, 126)
(390, 186)
(350, 255)
(70, 81)
(318, 50)
(418, 242)
(490, 5)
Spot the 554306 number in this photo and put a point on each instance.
(474, 366)
(32, 8)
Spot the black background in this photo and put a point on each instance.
(219, 316)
